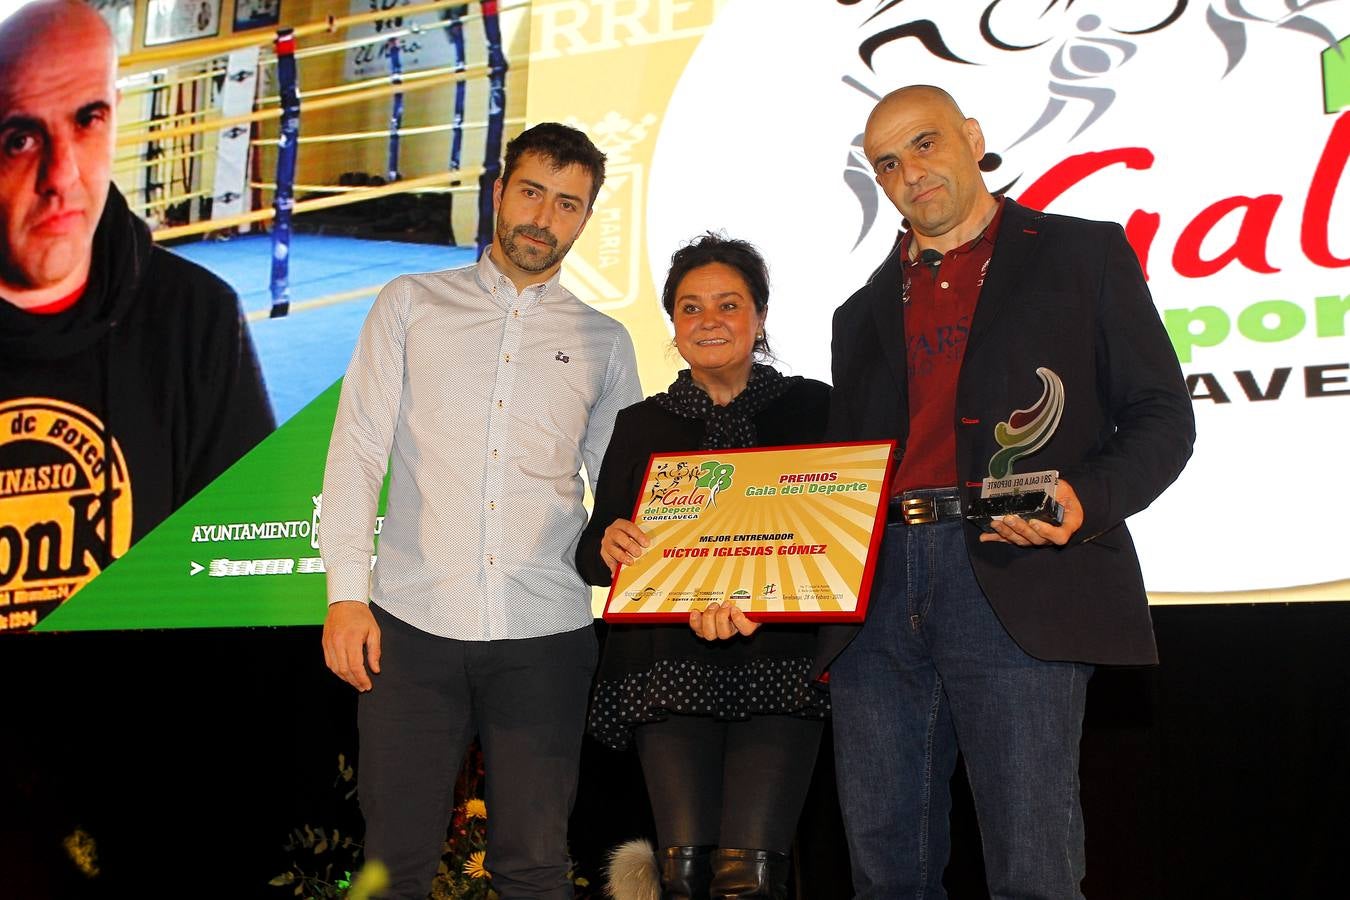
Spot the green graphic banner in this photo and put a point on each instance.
(244, 551)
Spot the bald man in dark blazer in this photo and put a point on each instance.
(990, 320)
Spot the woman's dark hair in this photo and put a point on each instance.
(710, 248)
(560, 146)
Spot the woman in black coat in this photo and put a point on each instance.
(727, 730)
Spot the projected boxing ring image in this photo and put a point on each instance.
(310, 166)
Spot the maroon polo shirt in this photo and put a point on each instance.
(939, 303)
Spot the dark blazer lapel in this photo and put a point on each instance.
(1018, 234)
(884, 299)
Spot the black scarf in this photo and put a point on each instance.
(729, 426)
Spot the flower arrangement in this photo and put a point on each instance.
(462, 875)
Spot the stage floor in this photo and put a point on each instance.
(333, 282)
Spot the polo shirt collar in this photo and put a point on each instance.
(491, 279)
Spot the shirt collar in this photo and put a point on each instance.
(52, 307)
(989, 234)
(491, 279)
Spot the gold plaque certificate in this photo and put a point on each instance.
(785, 533)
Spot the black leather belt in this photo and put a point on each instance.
(924, 507)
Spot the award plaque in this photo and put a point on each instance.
(785, 533)
(1030, 495)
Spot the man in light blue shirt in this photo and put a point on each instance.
(482, 391)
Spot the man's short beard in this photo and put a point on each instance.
(522, 259)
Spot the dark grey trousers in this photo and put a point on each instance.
(526, 700)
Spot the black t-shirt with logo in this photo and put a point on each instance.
(114, 412)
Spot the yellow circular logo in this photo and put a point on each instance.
(53, 466)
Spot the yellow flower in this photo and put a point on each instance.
(474, 866)
(373, 879)
(83, 852)
(475, 809)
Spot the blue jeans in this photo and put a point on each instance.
(931, 671)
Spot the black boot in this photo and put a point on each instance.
(685, 873)
(748, 874)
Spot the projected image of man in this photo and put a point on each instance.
(128, 379)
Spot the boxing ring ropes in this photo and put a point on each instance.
(170, 149)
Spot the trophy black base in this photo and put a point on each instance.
(1028, 505)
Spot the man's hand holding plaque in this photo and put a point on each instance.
(1036, 531)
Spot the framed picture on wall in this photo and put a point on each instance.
(121, 17)
(170, 21)
(256, 14)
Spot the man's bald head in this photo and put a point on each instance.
(58, 97)
(51, 30)
(929, 95)
(926, 155)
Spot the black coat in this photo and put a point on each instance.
(636, 658)
(1066, 294)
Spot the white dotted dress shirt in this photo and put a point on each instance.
(484, 403)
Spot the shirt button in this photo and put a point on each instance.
(492, 504)
(508, 357)
(494, 454)
(492, 561)
(516, 313)
(944, 285)
(500, 404)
